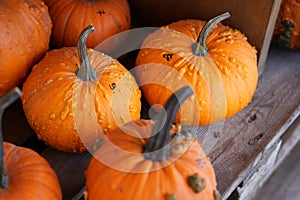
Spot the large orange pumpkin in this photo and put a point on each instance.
(287, 28)
(214, 59)
(24, 38)
(24, 174)
(68, 90)
(70, 17)
(138, 161)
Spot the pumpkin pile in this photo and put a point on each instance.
(287, 27)
(77, 99)
(140, 161)
(215, 60)
(24, 174)
(24, 39)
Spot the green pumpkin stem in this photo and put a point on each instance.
(157, 147)
(5, 101)
(200, 48)
(85, 72)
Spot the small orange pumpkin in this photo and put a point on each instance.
(70, 17)
(24, 174)
(67, 90)
(138, 161)
(287, 27)
(214, 59)
(24, 39)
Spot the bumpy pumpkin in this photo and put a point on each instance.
(68, 90)
(139, 161)
(24, 39)
(70, 17)
(24, 174)
(215, 60)
(287, 27)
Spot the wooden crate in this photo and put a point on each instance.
(256, 19)
(245, 142)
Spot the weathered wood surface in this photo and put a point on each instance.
(275, 105)
(284, 182)
(236, 142)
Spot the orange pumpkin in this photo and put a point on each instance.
(138, 161)
(24, 39)
(68, 90)
(287, 27)
(24, 174)
(214, 59)
(70, 17)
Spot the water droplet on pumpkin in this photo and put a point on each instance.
(232, 60)
(52, 116)
(229, 41)
(48, 82)
(64, 113)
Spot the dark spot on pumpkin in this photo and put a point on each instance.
(113, 86)
(168, 56)
(101, 12)
(283, 39)
(170, 197)
(254, 140)
(196, 182)
(119, 26)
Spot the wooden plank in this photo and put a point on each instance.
(275, 105)
(70, 170)
(15, 126)
(284, 182)
(262, 166)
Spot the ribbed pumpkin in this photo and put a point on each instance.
(24, 174)
(287, 27)
(70, 17)
(215, 60)
(24, 39)
(139, 161)
(68, 90)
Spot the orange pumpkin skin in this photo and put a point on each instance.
(24, 38)
(30, 177)
(70, 17)
(49, 98)
(287, 27)
(234, 69)
(149, 179)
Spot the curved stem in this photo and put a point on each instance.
(199, 48)
(5, 101)
(157, 147)
(85, 72)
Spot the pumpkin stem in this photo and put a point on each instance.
(85, 72)
(5, 101)
(199, 48)
(157, 147)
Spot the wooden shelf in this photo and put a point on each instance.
(241, 144)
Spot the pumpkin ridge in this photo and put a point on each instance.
(72, 9)
(33, 191)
